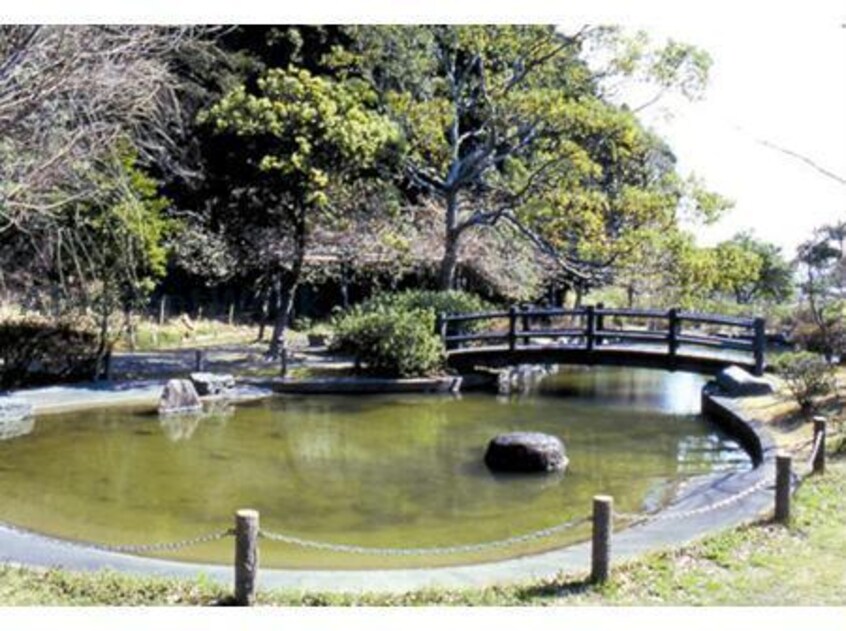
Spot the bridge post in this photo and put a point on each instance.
(525, 322)
(590, 327)
(673, 333)
(760, 345)
(441, 328)
(600, 323)
(512, 328)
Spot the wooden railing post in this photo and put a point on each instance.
(673, 332)
(760, 345)
(818, 465)
(526, 323)
(782, 489)
(600, 324)
(512, 328)
(590, 327)
(246, 556)
(603, 508)
(440, 328)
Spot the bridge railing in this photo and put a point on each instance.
(592, 326)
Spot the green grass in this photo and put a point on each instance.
(761, 564)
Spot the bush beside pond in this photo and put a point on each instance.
(808, 376)
(36, 352)
(393, 334)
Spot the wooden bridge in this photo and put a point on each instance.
(593, 335)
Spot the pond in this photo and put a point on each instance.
(384, 471)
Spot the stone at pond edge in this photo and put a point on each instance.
(179, 397)
(208, 383)
(526, 452)
(16, 418)
(736, 382)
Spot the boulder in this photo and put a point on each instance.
(736, 382)
(526, 452)
(179, 397)
(207, 383)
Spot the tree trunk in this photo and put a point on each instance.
(446, 276)
(286, 294)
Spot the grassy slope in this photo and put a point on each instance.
(762, 564)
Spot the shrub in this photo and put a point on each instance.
(452, 301)
(808, 377)
(390, 341)
(35, 351)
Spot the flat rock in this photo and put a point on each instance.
(736, 382)
(208, 383)
(526, 452)
(179, 397)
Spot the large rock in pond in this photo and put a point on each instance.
(207, 383)
(526, 452)
(736, 382)
(179, 397)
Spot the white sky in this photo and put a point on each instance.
(779, 75)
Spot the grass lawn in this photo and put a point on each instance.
(760, 564)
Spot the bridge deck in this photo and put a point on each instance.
(690, 359)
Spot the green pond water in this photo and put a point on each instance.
(387, 471)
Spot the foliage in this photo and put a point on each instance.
(808, 377)
(821, 261)
(323, 140)
(391, 341)
(506, 124)
(452, 301)
(36, 351)
(769, 276)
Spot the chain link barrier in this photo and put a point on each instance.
(168, 545)
(641, 518)
(432, 551)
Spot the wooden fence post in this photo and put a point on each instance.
(600, 324)
(760, 345)
(782, 490)
(673, 332)
(512, 328)
(441, 328)
(246, 556)
(199, 360)
(603, 507)
(819, 435)
(526, 324)
(162, 309)
(590, 327)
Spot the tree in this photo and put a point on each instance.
(323, 141)
(72, 98)
(767, 276)
(508, 124)
(822, 264)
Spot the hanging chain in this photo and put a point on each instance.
(168, 545)
(433, 551)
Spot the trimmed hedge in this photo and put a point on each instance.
(391, 342)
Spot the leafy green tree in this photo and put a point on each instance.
(769, 279)
(322, 139)
(508, 124)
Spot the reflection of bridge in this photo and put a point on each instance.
(649, 338)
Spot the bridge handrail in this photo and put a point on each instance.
(595, 333)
